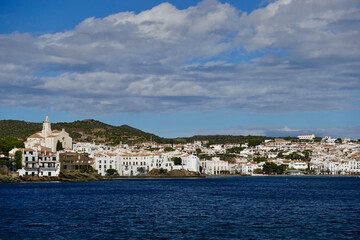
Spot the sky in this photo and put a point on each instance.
(180, 68)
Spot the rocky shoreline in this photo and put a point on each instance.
(88, 177)
(63, 177)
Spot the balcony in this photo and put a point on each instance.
(31, 167)
(49, 168)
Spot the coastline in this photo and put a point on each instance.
(83, 177)
(67, 177)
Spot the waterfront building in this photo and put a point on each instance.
(73, 161)
(38, 163)
(190, 163)
(248, 168)
(298, 165)
(214, 166)
(105, 161)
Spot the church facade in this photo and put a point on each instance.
(48, 138)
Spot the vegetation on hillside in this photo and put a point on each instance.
(86, 130)
(92, 130)
(9, 143)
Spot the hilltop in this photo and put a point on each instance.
(86, 130)
(89, 130)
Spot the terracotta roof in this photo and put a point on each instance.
(35, 135)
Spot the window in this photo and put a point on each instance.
(49, 174)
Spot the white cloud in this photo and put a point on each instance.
(290, 55)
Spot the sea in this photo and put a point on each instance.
(199, 208)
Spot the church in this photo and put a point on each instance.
(48, 138)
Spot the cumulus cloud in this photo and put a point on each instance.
(290, 55)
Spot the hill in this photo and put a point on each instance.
(85, 130)
(92, 130)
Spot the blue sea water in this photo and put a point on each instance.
(210, 208)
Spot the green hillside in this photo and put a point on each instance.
(85, 130)
(92, 130)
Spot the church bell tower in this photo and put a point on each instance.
(46, 131)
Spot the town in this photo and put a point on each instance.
(51, 152)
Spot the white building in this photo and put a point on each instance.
(136, 164)
(248, 168)
(306, 137)
(191, 163)
(214, 166)
(49, 138)
(298, 165)
(38, 163)
(131, 164)
(105, 161)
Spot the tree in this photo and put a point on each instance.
(257, 170)
(111, 172)
(177, 160)
(254, 142)
(294, 156)
(235, 150)
(86, 169)
(168, 149)
(307, 154)
(9, 143)
(18, 159)
(280, 169)
(259, 159)
(338, 140)
(59, 146)
(274, 168)
(141, 170)
(198, 151)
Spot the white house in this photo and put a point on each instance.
(214, 166)
(191, 163)
(39, 163)
(105, 161)
(298, 165)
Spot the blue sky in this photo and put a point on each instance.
(180, 68)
